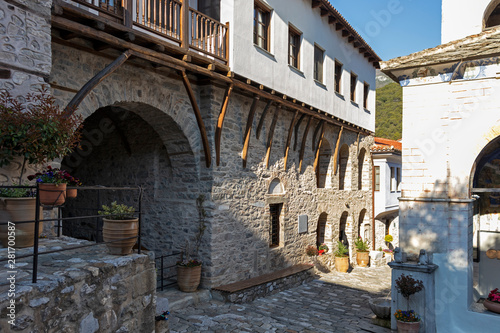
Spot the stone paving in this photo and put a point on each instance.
(335, 302)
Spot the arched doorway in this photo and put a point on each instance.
(486, 222)
(364, 227)
(321, 229)
(343, 237)
(122, 146)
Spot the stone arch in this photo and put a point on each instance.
(325, 166)
(321, 233)
(344, 170)
(491, 16)
(275, 187)
(363, 168)
(139, 145)
(343, 232)
(364, 226)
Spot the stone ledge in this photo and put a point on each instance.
(260, 286)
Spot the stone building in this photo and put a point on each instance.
(451, 143)
(269, 115)
(386, 156)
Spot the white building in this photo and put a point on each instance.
(450, 185)
(386, 156)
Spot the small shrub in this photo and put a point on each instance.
(117, 211)
(388, 238)
(311, 250)
(341, 250)
(361, 245)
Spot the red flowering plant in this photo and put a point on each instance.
(494, 296)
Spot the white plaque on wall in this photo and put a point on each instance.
(303, 224)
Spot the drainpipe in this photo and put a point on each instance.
(373, 203)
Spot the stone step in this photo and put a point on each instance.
(173, 299)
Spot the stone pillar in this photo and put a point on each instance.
(422, 302)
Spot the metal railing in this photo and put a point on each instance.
(166, 274)
(59, 220)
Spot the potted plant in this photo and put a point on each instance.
(52, 186)
(119, 223)
(492, 303)
(33, 131)
(72, 188)
(341, 258)
(408, 321)
(363, 252)
(322, 249)
(311, 251)
(388, 239)
(189, 267)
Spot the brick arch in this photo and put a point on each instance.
(490, 16)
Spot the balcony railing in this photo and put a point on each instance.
(169, 19)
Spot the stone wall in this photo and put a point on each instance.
(25, 55)
(84, 290)
(159, 145)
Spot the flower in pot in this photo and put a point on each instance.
(492, 303)
(120, 228)
(341, 258)
(33, 131)
(52, 186)
(363, 252)
(189, 267)
(322, 249)
(409, 320)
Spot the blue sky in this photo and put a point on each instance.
(394, 28)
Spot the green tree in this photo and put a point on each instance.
(388, 121)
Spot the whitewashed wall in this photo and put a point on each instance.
(386, 200)
(272, 70)
(462, 18)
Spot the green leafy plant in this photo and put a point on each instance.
(311, 251)
(341, 250)
(388, 238)
(361, 245)
(407, 286)
(323, 247)
(36, 130)
(117, 211)
(15, 192)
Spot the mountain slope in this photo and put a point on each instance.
(388, 122)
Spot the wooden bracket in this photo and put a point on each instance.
(297, 126)
(318, 127)
(199, 119)
(248, 130)
(303, 145)
(220, 123)
(336, 153)
(93, 82)
(271, 134)
(262, 118)
(318, 147)
(290, 132)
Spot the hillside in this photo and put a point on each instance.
(388, 122)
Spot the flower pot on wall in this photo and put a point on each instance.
(112, 230)
(16, 210)
(342, 264)
(188, 278)
(362, 258)
(408, 327)
(71, 193)
(492, 306)
(52, 194)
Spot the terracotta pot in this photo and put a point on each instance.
(362, 259)
(52, 194)
(342, 264)
(492, 306)
(188, 278)
(71, 193)
(118, 229)
(407, 327)
(17, 210)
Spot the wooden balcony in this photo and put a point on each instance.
(181, 29)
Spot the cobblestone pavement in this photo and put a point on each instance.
(335, 302)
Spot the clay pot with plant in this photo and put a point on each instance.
(189, 267)
(341, 258)
(363, 252)
(34, 131)
(120, 227)
(408, 321)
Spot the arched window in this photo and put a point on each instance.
(344, 171)
(275, 187)
(342, 229)
(320, 231)
(324, 168)
(362, 183)
(492, 14)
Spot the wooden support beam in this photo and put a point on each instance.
(187, 58)
(324, 11)
(331, 19)
(99, 46)
(336, 153)
(248, 130)
(262, 118)
(297, 126)
(345, 33)
(315, 3)
(318, 147)
(303, 145)
(371, 59)
(289, 138)
(357, 145)
(271, 134)
(339, 26)
(367, 54)
(68, 35)
(93, 82)
(159, 48)
(98, 25)
(351, 39)
(249, 81)
(356, 44)
(318, 127)
(211, 67)
(129, 36)
(199, 119)
(220, 123)
(362, 49)
(184, 24)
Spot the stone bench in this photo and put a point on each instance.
(267, 284)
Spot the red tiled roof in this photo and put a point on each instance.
(382, 144)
